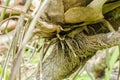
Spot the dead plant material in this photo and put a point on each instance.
(3, 49)
(8, 26)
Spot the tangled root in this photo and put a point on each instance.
(65, 57)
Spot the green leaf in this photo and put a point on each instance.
(4, 10)
(83, 77)
(112, 61)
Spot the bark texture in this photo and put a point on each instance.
(72, 52)
(62, 62)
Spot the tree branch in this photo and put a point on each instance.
(62, 63)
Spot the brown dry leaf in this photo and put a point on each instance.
(3, 49)
(8, 25)
(18, 7)
(13, 2)
(54, 12)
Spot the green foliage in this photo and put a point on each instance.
(111, 62)
(83, 77)
(34, 57)
(6, 75)
(4, 10)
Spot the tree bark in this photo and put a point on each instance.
(61, 63)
